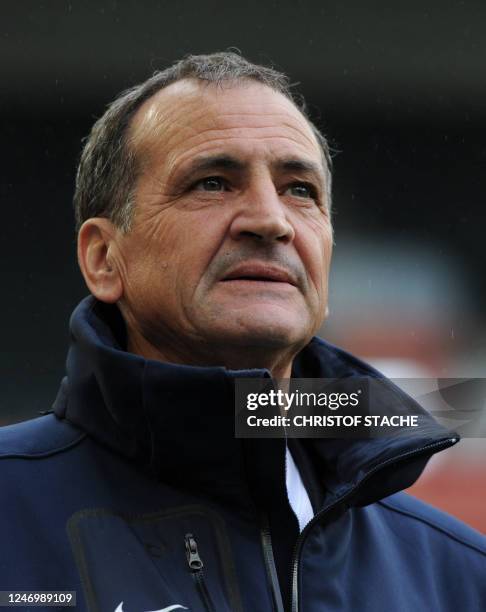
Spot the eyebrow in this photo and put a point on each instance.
(299, 165)
(214, 162)
(228, 162)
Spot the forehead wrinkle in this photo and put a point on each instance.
(165, 124)
(156, 126)
(213, 138)
(309, 137)
(264, 114)
(220, 147)
(156, 113)
(204, 132)
(295, 122)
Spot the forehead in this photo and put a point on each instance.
(189, 118)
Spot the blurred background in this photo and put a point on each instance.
(400, 91)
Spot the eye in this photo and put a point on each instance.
(302, 190)
(211, 183)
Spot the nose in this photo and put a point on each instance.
(262, 215)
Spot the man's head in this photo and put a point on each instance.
(203, 201)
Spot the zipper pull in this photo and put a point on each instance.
(193, 559)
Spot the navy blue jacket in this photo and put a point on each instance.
(136, 494)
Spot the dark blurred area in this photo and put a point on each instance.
(400, 91)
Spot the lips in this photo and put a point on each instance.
(260, 272)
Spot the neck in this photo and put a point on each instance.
(278, 362)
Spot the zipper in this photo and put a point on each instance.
(196, 565)
(342, 499)
(270, 565)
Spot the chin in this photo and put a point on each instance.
(264, 334)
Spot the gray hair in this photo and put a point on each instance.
(108, 168)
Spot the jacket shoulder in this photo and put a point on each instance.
(37, 438)
(430, 518)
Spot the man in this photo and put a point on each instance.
(204, 236)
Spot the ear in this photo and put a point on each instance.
(96, 248)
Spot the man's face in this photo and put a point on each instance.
(231, 238)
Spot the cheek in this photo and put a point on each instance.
(315, 248)
(182, 247)
(147, 263)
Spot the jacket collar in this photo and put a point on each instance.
(178, 421)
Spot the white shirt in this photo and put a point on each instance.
(298, 498)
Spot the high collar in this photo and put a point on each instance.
(178, 421)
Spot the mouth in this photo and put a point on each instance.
(260, 273)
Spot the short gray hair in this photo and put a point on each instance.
(108, 168)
